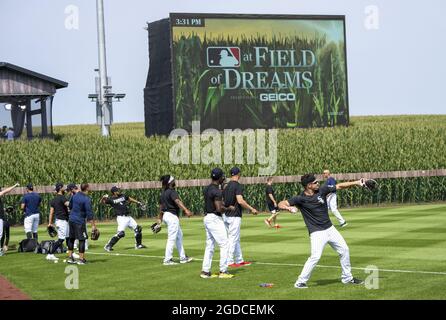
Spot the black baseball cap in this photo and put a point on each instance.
(235, 171)
(72, 186)
(308, 178)
(217, 174)
(114, 189)
(58, 186)
(30, 186)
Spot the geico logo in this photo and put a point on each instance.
(277, 97)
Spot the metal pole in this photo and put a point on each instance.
(105, 129)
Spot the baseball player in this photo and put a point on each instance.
(332, 199)
(233, 196)
(170, 205)
(81, 211)
(271, 204)
(120, 204)
(215, 227)
(59, 208)
(4, 226)
(72, 188)
(312, 203)
(30, 205)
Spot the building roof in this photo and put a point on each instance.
(59, 84)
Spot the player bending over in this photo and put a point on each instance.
(215, 227)
(170, 205)
(120, 204)
(312, 203)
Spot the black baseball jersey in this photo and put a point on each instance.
(167, 200)
(2, 210)
(233, 189)
(269, 190)
(211, 194)
(120, 204)
(60, 209)
(314, 208)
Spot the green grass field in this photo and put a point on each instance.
(406, 243)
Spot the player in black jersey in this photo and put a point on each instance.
(3, 220)
(120, 203)
(59, 209)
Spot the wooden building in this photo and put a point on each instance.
(28, 97)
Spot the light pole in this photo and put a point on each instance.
(104, 104)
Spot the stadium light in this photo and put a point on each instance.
(23, 107)
(8, 107)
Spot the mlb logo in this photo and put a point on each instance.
(219, 57)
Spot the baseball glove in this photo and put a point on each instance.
(155, 228)
(369, 184)
(95, 234)
(52, 231)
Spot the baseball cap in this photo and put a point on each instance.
(71, 187)
(114, 189)
(58, 186)
(217, 174)
(235, 171)
(30, 186)
(308, 178)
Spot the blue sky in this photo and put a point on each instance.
(398, 68)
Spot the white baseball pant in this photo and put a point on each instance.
(332, 202)
(31, 223)
(233, 225)
(318, 241)
(63, 229)
(126, 222)
(215, 234)
(174, 236)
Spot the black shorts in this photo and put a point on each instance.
(78, 231)
(272, 208)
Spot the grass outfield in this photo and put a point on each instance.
(406, 243)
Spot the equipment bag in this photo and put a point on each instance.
(45, 247)
(28, 245)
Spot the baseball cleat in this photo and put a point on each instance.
(51, 257)
(108, 249)
(82, 262)
(169, 263)
(344, 224)
(2, 253)
(71, 260)
(245, 263)
(355, 281)
(300, 286)
(277, 226)
(205, 275)
(140, 246)
(225, 275)
(75, 255)
(235, 265)
(268, 223)
(186, 260)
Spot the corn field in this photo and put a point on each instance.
(370, 144)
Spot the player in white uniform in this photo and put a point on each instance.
(170, 205)
(332, 200)
(215, 227)
(120, 204)
(312, 203)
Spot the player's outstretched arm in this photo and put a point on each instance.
(285, 205)
(346, 185)
(8, 190)
(186, 211)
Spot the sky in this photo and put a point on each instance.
(395, 49)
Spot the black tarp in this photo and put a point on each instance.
(158, 100)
